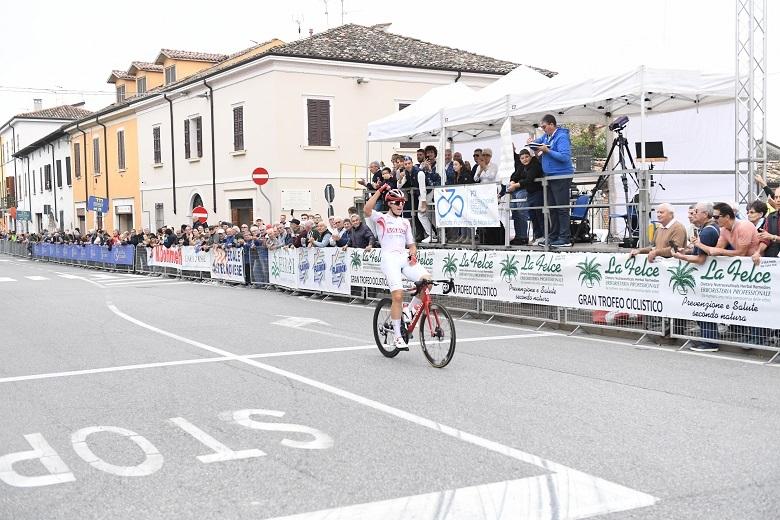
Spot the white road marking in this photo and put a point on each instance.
(119, 283)
(6, 279)
(569, 488)
(531, 498)
(160, 364)
(36, 278)
(74, 277)
(152, 462)
(297, 322)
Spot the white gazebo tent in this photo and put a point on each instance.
(422, 120)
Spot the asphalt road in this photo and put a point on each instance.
(135, 397)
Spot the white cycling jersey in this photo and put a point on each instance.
(394, 233)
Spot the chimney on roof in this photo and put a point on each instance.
(311, 31)
(37, 104)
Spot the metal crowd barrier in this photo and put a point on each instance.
(642, 325)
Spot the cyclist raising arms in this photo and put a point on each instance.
(395, 234)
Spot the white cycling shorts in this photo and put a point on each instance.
(396, 267)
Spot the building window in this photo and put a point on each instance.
(414, 145)
(48, 177)
(120, 93)
(77, 159)
(318, 122)
(193, 137)
(68, 178)
(120, 149)
(58, 168)
(157, 145)
(238, 128)
(140, 85)
(186, 138)
(35, 190)
(170, 74)
(96, 155)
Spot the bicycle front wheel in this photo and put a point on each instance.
(383, 328)
(437, 335)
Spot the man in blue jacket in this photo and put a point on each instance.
(554, 149)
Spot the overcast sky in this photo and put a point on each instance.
(75, 45)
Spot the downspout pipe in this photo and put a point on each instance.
(86, 184)
(17, 185)
(54, 183)
(105, 154)
(29, 194)
(213, 150)
(173, 153)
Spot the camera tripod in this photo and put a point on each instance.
(621, 144)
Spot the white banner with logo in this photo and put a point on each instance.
(228, 264)
(195, 260)
(723, 290)
(283, 267)
(468, 205)
(323, 269)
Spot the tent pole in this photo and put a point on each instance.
(644, 191)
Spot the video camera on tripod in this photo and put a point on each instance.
(619, 124)
(621, 144)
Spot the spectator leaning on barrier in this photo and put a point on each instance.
(769, 236)
(361, 236)
(554, 149)
(323, 236)
(741, 235)
(670, 233)
(706, 232)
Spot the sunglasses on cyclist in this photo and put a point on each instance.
(396, 203)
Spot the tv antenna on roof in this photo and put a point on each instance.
(327, 22)
(298, 21)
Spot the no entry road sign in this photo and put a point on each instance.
(260, 176)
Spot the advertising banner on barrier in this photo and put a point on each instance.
(283, 267)
(195, 260)
(117, 255)
(365, 266)
(723, 290)
(228, 264)
(614, 283)
(161, 256)
(468, 205)
(324, 269)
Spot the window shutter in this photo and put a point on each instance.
(238, 128)
(96, 155)
(68, 177)
(186, 138)
(318, 118)
(58, 166)
(120, 148)
(77, 159)
(156, 145)
(199, 135)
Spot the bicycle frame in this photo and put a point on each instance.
(426, 300)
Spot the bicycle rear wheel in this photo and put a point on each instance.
(437, 335)
(383, 328)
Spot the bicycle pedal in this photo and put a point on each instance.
(406, 349)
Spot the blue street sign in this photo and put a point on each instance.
(97, 204)
(24, 215)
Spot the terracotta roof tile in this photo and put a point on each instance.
(60, 112)
(143, 65)
(362, 44)
(192, 55)
(121, 74)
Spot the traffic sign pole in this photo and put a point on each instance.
(260, 176)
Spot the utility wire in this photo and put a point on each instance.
(6, 88)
